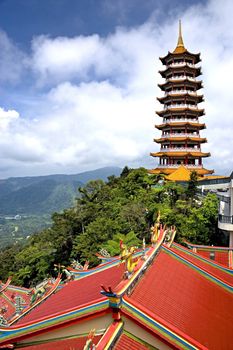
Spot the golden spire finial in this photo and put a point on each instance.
(180, 44)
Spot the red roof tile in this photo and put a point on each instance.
(207, 264)
(187, 300)
(221, 257)
(125, 342)
(76, 293)
(7, 309)
(66, 344)
(8, 300)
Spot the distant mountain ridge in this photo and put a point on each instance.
(46, 194)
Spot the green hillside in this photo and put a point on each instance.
(26, 203)
(125, 208)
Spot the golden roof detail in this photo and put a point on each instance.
(180, 43)
(181, 174)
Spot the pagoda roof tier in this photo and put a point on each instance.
(181, 138)
(170, 109)
(172, 84)
(170, 169)
(185, 55)
(198, 126)
(181, 68)
(179, 154)
(177, 96)
(180, 53)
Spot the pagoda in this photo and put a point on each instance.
(180, 142)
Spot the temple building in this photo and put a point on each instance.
(180, 141)
(160, 296)
(163, 296)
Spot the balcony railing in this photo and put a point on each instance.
(180, 106)
(190, 166)
(180, 135)
(181, 120)
(181, 77)
(180, 149)
(225, 219)
(175, 92)
(181, 64)
(224, 198)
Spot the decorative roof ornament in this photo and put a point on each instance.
(76, 265)
(180, 43)
(104, 253)
(170, 235)
(155, 230)
(126, 256)
(38, 292)
(144, 257)
(89, 343)
(69, 275)
(3, 321)
(58, 267)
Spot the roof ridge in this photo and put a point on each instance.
(215, 264)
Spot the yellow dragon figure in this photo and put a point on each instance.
(130, 262)
(155, 230)
(127, 256)
(124, 251)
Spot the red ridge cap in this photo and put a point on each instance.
(110, 335)
(6, 284)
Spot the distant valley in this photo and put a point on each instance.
(26, 203)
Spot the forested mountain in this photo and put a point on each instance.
(45, 194)
(125, 208)
(26, 203)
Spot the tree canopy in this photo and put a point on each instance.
(125, 208)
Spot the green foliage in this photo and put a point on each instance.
(124, 208)
(191, 191)
(113, 245)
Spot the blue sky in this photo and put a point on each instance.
(78, 81)
(23, 19)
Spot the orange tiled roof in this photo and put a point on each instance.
(181, 138)
(180, 154)
(167, 171)
(168, 123)
(181, 174)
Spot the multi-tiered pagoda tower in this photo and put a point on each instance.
(180, 142)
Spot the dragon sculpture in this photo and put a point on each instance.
(126, 256)
(155, 230)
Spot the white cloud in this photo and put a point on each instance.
(6, 118)
(99, 108)
(12, 60)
